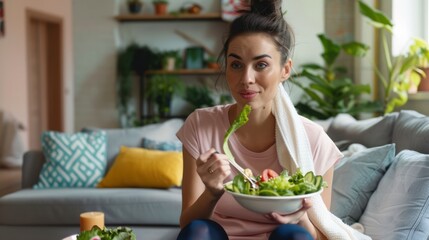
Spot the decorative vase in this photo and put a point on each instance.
(194, 57)
(135, 7)
(170, 64)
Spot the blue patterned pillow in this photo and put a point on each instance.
(72, 160)
(171, 145)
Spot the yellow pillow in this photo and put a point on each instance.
(139, 167)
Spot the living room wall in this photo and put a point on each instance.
(97, 37)
(13, 58)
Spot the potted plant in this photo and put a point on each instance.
(400, 72)
(212, 63)
(199, 96)
(134, 6)
(160, 89)
(420, 49)
(329, 91)
(161, 6)
(171, 60)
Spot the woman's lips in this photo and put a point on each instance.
(248, 94)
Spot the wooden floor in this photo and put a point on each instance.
(10, 180)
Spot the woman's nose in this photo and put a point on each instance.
(248, 76)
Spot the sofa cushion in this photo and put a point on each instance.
(72, 160)
(166, 145)
(399, 208)
(355, 179)
(139, 167)
(133, 137)
(369, 132)
(63, 206)
(411, 132)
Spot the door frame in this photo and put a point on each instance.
(50, 70)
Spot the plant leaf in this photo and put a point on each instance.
(355, 49)
(378, 19)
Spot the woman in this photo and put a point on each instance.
(257, 62)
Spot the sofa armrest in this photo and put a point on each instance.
(32, 165)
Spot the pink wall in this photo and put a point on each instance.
(13, 59)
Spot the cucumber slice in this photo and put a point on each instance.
(318, 181)
(309, 177)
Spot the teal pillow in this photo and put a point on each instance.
(168, 145)
(72, 160)
(355, 179)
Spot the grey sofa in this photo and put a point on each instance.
(54, 213)
(154, 213)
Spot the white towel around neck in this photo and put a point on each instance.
(294, 152)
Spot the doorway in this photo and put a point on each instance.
(45, 75)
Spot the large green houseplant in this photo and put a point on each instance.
(124, 85)
(160, 90)
(330, 92)
(133, 61)
(400, 72)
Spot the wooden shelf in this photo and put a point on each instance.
(205, 71)
(169, 17)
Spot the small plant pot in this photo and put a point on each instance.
(170, 64)
(160, 8)
(424, 81)
(135, 7)
(213, 65)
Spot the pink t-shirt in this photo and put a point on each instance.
(205, 128)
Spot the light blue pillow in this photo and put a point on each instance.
(72, 160)
(399, 208)
(168, 145)
(356, 178)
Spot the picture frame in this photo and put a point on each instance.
(2, 25)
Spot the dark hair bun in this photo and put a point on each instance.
(268, 8)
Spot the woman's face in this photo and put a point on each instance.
(254, 70)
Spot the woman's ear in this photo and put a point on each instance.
(287, 69)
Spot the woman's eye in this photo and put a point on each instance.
(261, 65)
(235, 65)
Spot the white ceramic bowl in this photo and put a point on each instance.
(268, 204)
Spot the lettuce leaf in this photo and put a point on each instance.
(238, 122)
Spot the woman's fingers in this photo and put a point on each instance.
(213, 168)
(205, 156)
(293, 218)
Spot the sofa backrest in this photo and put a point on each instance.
(130, 137)
(407, 129)
(31, 167)
(411, 132)
(369, 132)
(133, 137)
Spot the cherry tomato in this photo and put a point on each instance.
(267, 174)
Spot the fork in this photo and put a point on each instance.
(241, 170)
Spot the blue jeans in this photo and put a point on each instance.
(204, 229)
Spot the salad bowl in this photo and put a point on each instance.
(268, 204)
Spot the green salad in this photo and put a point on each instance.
(96, 233)
(269, 182)
(272, 184)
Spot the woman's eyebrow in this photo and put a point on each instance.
(234, 56)
(255, 58)
(262, 56)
